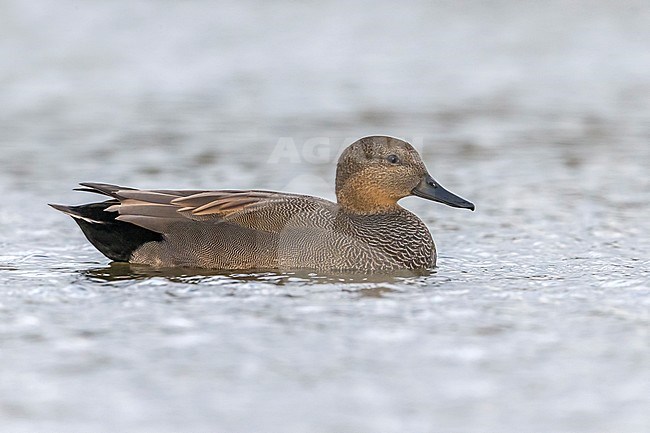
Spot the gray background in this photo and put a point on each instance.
(537, 318)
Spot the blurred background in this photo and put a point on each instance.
(536, 320)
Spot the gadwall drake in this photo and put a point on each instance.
(365, 230)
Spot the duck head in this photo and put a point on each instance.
(374, 172)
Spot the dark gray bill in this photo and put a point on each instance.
(431, 190)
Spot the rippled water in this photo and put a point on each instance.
(537, 318)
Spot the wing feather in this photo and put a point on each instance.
(157, 210)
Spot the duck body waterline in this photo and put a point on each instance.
(365, 230)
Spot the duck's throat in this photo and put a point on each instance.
(365, 200)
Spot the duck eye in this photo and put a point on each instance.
(393, 159)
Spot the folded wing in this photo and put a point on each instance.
(158, 210)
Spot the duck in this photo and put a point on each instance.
(365, 230)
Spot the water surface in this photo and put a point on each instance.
(536, 319)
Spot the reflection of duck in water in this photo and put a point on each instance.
(364, 230)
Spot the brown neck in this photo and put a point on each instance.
(357, 196)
